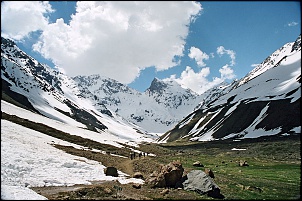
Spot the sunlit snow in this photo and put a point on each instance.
(28, 158)
(275, 79)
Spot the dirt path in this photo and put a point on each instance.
(128, 166)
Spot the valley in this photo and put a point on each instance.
(274, 167)
(273, 171)
(59, 134)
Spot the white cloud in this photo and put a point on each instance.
(221, 51)
(19, 18)
(198, 82)
(291, 24)
(227, 72)
(198, 55)
(118, 39)
(254, 65)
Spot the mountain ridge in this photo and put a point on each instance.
(156, 109)
(52, 94)
(264, 102)
(164, 107)
(73, 100)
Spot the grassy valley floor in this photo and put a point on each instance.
(273, 171)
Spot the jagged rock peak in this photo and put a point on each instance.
(297, 44)
(157, 85)
(106, 84)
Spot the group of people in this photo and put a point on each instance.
(140, 154)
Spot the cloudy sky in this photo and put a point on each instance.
(198, 44)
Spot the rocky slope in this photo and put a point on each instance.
(265, 102)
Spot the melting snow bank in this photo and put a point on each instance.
(29, 160)
(19, 193)
(235, 149)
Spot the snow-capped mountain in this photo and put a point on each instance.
(43, 90)
(82, 100)
(156, 110)
(247, 107)
(265, 102)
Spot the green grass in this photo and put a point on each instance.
(276, 179)
(274, 169)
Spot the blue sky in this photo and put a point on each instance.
(199, 44)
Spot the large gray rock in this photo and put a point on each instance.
(200, 182)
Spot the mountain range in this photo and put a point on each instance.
(156, 110)
(264, 102)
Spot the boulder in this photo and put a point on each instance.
(111, 171)
(172, 173)
(243, 163)
(138, 175)
(168, 175)
(198, 164)
(156, 179)
(200, 182)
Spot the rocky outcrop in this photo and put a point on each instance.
(168, 176)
